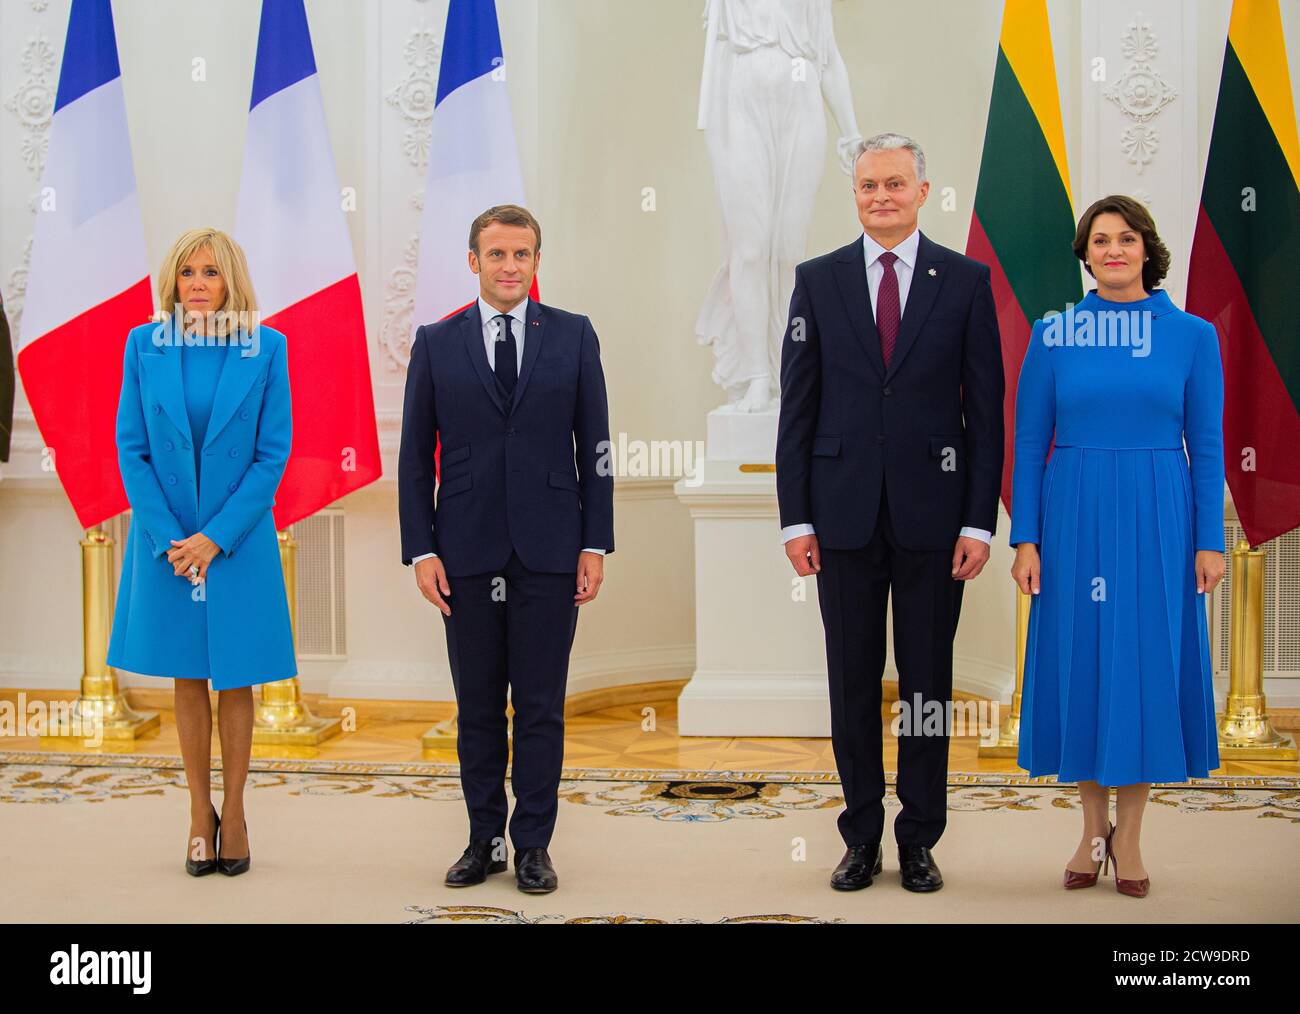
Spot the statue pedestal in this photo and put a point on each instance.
(742, 437)
(760, 662)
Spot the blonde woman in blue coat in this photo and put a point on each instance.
(204, 427)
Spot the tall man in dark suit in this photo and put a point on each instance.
(888, 465)
(525, 503)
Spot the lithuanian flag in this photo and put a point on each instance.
(1245, 270)
(1023, 223)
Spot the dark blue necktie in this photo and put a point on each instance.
(506, 358)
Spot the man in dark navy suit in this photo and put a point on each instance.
(888, 465)
(514, 391)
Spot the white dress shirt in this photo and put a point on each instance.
(903, 268)
(493, 332)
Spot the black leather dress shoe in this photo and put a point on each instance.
(855, 870)
(534, 873)
(474, 865)
(920, 872)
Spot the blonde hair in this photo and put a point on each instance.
(231, 262)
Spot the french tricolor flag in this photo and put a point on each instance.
(473, 158)
(291, 225)
(88, 281)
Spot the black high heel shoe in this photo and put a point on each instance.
(202, 867)
(234, 867)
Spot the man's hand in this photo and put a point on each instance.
(1025, 571)
(805, 555)
(196, 551)
(969, 557)
(431, 576)
(591, 573)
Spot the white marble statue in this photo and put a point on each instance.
(768, 65)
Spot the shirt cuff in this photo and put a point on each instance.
(794, 531)
(602, 552)
(977, 533)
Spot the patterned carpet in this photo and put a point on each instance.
(349, 841)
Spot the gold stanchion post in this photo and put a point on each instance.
(100, 713)
(282, 719)
(1008, 744)
(1245, 730)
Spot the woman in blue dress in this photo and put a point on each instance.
(1118, 535)
(204, 427)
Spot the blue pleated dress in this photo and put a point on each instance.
(1118, 686)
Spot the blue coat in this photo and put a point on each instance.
(235, 627)
(533, 479)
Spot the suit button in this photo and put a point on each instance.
(171, 480)
(510, 433)
(186, 446)
(168, 446)
(243, 414)
(156, 409)
(888, 391)
(176, 514)
(232, 486)
(234, 452)
(880, 440)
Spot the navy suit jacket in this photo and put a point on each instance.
(537, 479)
(930, 427)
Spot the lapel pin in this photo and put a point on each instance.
(933, 273)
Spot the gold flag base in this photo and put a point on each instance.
(1006, 748)
(289, 722)
(100, 717)
(282, 719)
(1248, 734)
(440, 738)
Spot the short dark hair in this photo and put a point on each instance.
(1139, 219)
(505, 214)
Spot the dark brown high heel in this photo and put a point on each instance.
(1074, 880)
(1133, 888)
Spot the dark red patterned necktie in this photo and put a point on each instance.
(887, 307)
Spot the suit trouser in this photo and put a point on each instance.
(513, 629)
(853, 589)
